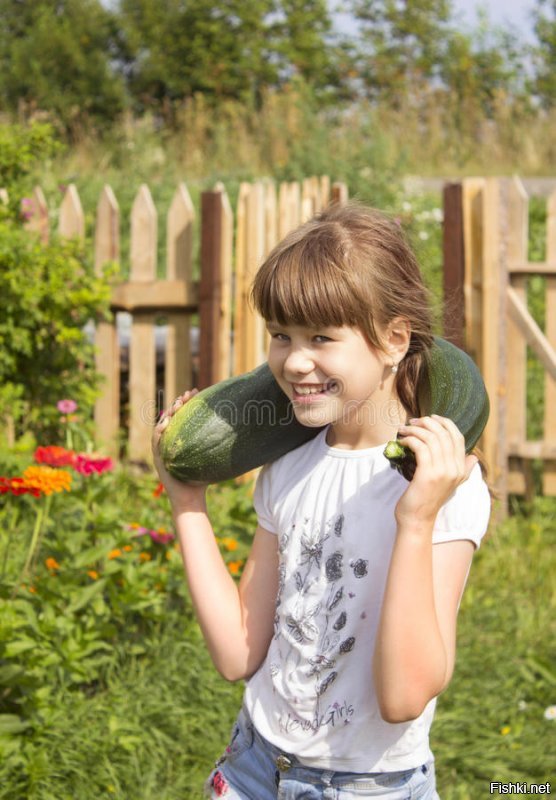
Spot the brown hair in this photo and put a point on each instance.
(350, 265)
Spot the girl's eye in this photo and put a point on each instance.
(280, 337)
(320, 339)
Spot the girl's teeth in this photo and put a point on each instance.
(309, 389)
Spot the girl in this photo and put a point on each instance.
(344, 621)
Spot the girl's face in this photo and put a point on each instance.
(335, 376)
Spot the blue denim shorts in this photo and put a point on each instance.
(253, 769)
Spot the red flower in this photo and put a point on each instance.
(88, 463)
(18, 486)
(55, 456)
(159, 489)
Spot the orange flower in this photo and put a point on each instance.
(51, 563)
(144, 556)
(47, 480)
(230, 543)
(115, 553)
(127, 547)
(93, 574)
(235, 567)
(32, 589)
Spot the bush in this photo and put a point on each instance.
(49, 293)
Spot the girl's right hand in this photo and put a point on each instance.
(183, 496)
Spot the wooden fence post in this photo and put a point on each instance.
(549, 477)
(241, 287)
(142, 356)
(519, 477)
(72, 219)
(179, 265)
(107, 349)
(339, 193)
(226, 277)
(473, 199)
(37, 210)
(494, 355)
(454, 264)
(211, 288)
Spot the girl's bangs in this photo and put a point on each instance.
(303, 289)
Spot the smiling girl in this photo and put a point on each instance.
(343, 624)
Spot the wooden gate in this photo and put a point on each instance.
(487, 266)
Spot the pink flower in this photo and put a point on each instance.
(66, 406)
(88, 463)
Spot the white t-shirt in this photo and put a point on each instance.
(333, 513)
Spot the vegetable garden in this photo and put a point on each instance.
(106, 687)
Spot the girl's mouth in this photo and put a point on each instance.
(310, 392)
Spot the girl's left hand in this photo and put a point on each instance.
(442, 465)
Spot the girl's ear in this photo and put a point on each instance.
(398, 335)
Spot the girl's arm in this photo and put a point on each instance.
(236, 620)
(416, 640)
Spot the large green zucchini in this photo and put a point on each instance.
(244, 422)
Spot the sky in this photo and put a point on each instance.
(512, 13)
(515, 13)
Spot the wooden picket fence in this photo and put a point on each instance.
(486, 278)
(232, 337)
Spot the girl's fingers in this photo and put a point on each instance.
(176, 405)
(436, 441)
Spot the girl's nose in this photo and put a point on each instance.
(298, 362)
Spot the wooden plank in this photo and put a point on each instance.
(178, 361)
(107, 349)
(294, 205)
(142, 356)
(532, 449)
(325, 191)
(493, 358)
(534, 337)
(473, 189)
(549, 475)
(454, 264)
(254, 329)
(270, 216)
(533, 267)
(210, 291)
(142, 387)
(284, 211)
(107, 229)
(72, 219)
(516, 250)
(339, 193)
(36, 211)
(226, 278)
(144, 232)
(307, 204)
(240, 282)
(271, 235)
(161, 295)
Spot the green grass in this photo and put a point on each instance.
(490, 723)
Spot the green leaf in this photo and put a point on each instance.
(12, 724)
(85, 596)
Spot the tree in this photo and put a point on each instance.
(544, 83)
(230, 49)
(55, 55)
(402, 44)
